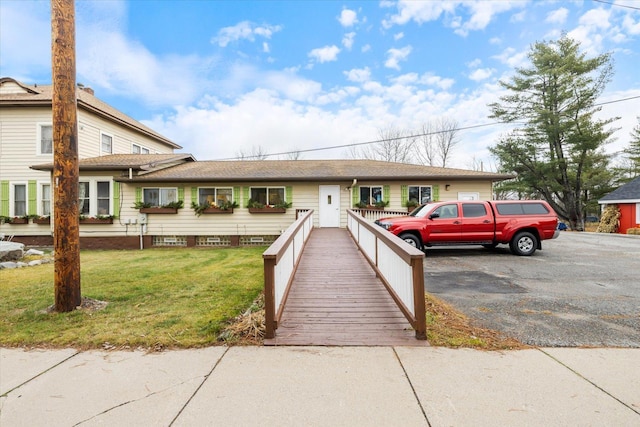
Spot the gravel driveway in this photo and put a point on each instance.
(582, 289)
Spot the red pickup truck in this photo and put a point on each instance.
(522, 224)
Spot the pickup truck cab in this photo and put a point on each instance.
(522, 224)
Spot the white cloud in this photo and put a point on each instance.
(366, 48)
(481, 74)
(633, 27)
(265, 47)
(358, 75)
(348, 39)
(436, 81)
(596, 18)
(398, 36)
(394, 56)
(512, 57)
(325, 54)
(348, 18)
(558, 16)
(418, 11)
(244, 30)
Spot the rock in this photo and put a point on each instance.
(33, 252)
(8, 264)
(35, 262)
(11, 251)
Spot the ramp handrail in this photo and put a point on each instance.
(398, 265)
(280, 263)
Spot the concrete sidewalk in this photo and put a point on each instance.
(320, 386)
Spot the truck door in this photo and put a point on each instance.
(445, 224)
(477, 222)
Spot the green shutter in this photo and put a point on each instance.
(355, 196)
(288, 194)
(138, 194)
(4, 198)
(245, 197)
(404, 194)
(116, 199)
(194, 195)
(236, 194)
(181, 194)
(32, 207)
(436, 193)
(386, 194)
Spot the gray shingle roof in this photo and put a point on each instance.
(299, 170)
(37, 95)
(629, 191)
(137, 162)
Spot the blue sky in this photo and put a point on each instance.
(221, 77)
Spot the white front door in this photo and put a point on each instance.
(329, 205)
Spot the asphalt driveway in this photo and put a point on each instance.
(582, 289)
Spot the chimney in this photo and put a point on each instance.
(86, 89)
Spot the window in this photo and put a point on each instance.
(215, 196)
(106, 143)
(94, 198)
(103, 197)
(521, 209)
(370, 195)
(45, 139)
(268, 195)
(84, 199)
(447, 211)
(45, 199)
(138, 149)
(19, 199)
(473, 210)
(157, 197)
(420, 194)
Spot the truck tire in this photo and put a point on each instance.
(412, 240)
(523, 244)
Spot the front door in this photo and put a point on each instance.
(329, 205)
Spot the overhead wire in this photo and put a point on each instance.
(355, 144)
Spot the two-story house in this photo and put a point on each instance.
(26, 140)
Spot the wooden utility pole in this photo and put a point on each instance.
(66, 233)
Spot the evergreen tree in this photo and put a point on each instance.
(557, 153)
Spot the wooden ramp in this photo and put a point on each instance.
(336, 299)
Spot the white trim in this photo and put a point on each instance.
(12, 197)
(637, 213)
(39, 126)
(93, 193)
(473, 194)
(112, 143)
(39, 199)
(618, 202)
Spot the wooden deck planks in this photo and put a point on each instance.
(336, 299)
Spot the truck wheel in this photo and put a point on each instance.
(523, 244)
(412, 240)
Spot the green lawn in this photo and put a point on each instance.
(156, 298)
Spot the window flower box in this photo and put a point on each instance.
(267, 209)
(92, 220)
(216, 210)
(159, 210)
(42, 220)
(19, 220)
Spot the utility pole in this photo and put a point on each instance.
(66, 233)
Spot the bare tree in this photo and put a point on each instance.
(426, 147)
(256, 153)
(393, 145)
(292, 155)
(437, 140)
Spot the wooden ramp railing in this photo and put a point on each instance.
(336, 298)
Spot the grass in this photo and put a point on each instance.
(157, 298)
(174, 298)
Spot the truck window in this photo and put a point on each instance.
(447, 211)
(521, 209)
(535, 209)
(473, 210)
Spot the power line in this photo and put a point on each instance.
(355, 144)
(617, 4)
